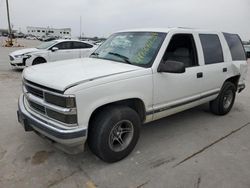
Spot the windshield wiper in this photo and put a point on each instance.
(126, 59)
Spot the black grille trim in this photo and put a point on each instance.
(44, 87)
(69, 119)
(34, 91)
(37, 107)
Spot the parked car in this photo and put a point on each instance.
(30, 37)
(247, 49)
(134, 77)
(50, 52)
(19, 35)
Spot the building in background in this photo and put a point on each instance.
(47, 31)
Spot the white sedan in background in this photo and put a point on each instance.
(51, 51)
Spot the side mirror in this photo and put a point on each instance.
(171, 67)
(54, 49)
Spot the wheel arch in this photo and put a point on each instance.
(39, 57)
(134, 103)
(234, 80)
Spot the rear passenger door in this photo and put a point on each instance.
(215, 64)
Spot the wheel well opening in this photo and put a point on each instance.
(37, 59)
(135, 103)
(234, 80)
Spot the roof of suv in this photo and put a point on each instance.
(167, 29)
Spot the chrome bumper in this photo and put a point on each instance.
(68, 137)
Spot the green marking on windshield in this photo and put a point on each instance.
(143, 51)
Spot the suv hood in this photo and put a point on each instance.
(64, 74)
(24, 51)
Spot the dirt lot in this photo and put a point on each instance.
(191, 149)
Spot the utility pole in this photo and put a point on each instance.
(80, 27)
(8, 16)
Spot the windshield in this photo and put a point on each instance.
(136, 48)
(46, 45)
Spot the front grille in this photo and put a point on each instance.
(50, 104)
(11, 58)
(34, 91)
(37, 107)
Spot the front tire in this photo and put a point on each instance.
(225, 100)
(114, 132)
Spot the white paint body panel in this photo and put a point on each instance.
(97, 82)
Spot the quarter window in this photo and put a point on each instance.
(235, 46)
(212, 49)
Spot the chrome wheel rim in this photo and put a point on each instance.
(227, 99)
(121, 135)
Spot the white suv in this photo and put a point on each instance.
(134, 77)
(51, 51)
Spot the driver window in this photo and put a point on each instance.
(182, 48)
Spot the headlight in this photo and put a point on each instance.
(26, 56)
(22, 56)
(18, 56)
(63, 101)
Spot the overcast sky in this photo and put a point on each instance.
(102, 17)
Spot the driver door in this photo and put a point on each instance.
(175, 91)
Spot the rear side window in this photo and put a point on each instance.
(63, 45)
(211, 48)
(235, 46)
(80, 45)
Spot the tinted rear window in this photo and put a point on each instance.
(211, 48)
(80, 45)
(235, 46)
(63, 45)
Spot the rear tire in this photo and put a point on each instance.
(114, 132)
(225, 100)
(38, 60)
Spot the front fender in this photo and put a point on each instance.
(29, 61)
(89, 99)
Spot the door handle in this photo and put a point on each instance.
(224, 69)
(199, 75)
